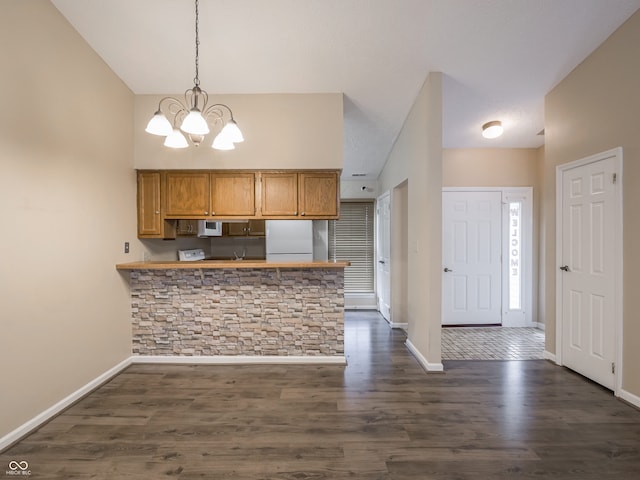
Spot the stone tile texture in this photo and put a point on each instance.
(238, 312)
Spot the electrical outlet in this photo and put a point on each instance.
(126, 247)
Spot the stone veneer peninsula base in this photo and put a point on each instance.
(243, 312)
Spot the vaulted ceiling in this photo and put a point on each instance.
(498, 57)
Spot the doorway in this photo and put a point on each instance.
(384, 255)
(487, 256)
(589, 258)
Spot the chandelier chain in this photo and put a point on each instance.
(197, 79)
(193, 115)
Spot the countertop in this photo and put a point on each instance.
(209, 264)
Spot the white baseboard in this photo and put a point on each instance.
(629, 397)
(549, 356)
(403, 326)
(242, 360)
(429, 367)
(52, 411)
(539, 326)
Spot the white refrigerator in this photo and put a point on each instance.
(289, 240)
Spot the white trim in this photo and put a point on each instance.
(547, 355)
(616, 153)
(402, 326)
(429, 367)
(54, 410)
(540, 326)
(241, 359)
(629, 397)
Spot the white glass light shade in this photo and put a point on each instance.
(176, 140)
(194, 123)
(222, 143)
(159, 125)
(492, 129)
(231, 132)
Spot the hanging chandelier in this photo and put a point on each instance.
(193, 115)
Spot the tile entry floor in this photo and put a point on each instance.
(492, 343)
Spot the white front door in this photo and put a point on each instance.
(384, 256)
(471, 255)
(588, 270)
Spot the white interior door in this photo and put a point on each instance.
(471, 254)
(588, 277)
(384, 256)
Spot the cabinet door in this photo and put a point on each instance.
(149, 218)
(257, 228)
(318, 194)
(233, 194)
(186, 194)
(279, 194)
(237, 229)
(187, 228)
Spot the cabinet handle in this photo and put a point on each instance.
(213, 213)
(206, 213)
(157, 212)
(303, 214)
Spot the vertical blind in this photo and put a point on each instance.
(351, 238)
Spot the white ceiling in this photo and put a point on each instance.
(499, 57)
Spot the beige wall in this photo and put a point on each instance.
(490, 167)
(67, 188)
(594, 109)
(417, 156)
(280, 131)
(400, 253)
(502, 167)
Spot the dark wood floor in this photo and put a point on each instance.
(382, 417)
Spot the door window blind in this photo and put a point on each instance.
(351, 238)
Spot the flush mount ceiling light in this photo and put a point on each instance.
(194, 116)
(492, 129)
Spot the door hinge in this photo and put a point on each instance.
(615, 178)
(613, 367)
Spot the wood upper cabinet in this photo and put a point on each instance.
(311, 194)
(149, 217)
(318, 194)
(233, 194)
(187, 194)
(279, 194)
(166, 196)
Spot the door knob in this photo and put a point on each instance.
(447, 270)
(565, 268)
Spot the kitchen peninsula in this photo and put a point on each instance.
(237, 311)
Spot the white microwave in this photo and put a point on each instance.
(208, 228)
